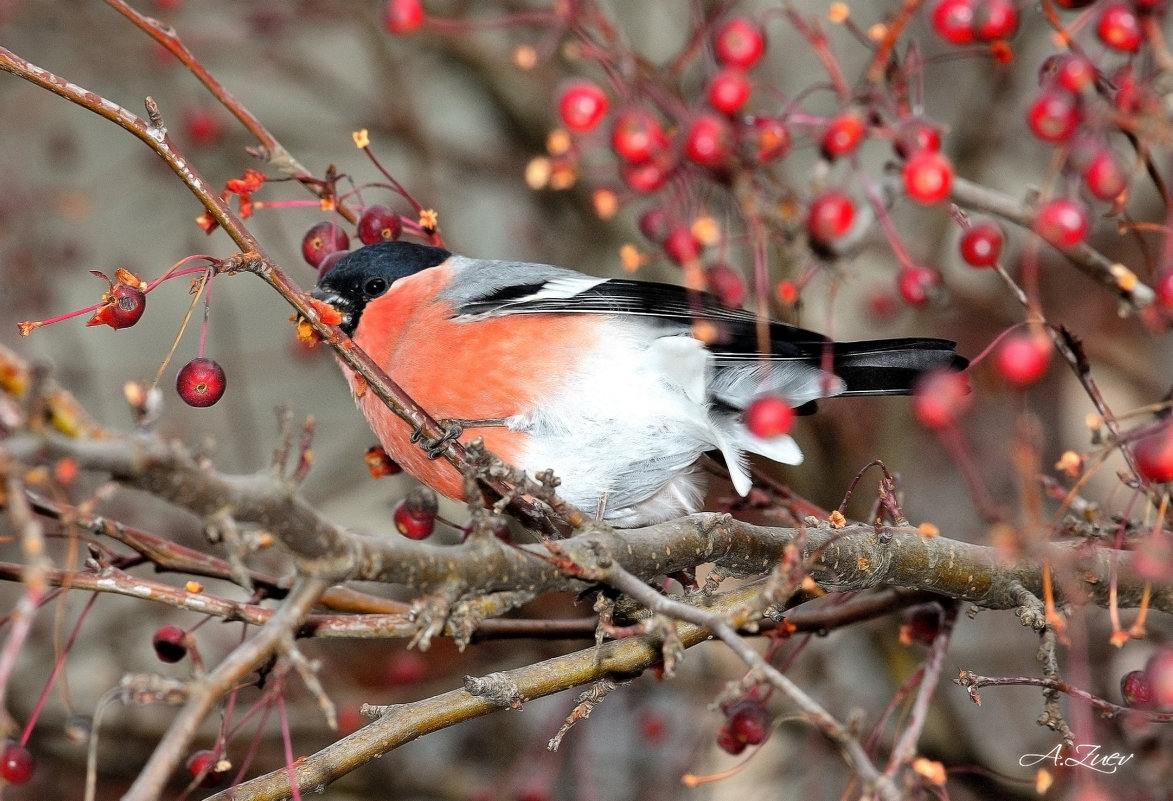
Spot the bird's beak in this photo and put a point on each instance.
(337, 301)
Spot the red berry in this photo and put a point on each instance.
(918, 285)
(922, 623)
(582, 104)
(768, 138)
(831, 215)
(1062, 222)
(402, 16)
(1159, 672)
(377, 223)
(645, 177)
(953, 21)
(201, 382)
(747, 720)
(727, 284)
(1135, 690)
(637, 136)
(1119, 27)
(739, 42)
(16, 763)
(769, 417)
(203, 125)
(1154, 461)
(125, 301)
(981, 245)
(681, 245)
(928, 175)
(1104, 175)
(995, 19)
(655, 224)
(914, 136)
(1071, 5)
(207, 764)
(406, 667)
(843, 135)
(170, 643)
(329, 261)
(729, 742)
(939, 398)
(1022, 358)
(1054, 116)
(322, 239)
(1069, 71)
(415, 514)
(729, 90)
(709, 141)
(379, 463)
(1163, 286)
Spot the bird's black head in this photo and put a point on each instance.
(361, 276)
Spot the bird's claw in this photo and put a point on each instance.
(434, 448)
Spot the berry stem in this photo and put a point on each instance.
(58, 664)
(183, 326)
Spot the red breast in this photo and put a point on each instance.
(491, 368)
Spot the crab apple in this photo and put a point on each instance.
(739, 42)
(1163, 286)
(917, 285)
(981, 244)
(709, 141)
(637, 136)
(1135, 690)
(1154, 459)
(16, 763)
(125, 302)
(727, 284)
(953, 21)
(377, 223)
(582, 105)
(201, 382)
(916, 135)
(843, 135)
(729, 90)
(1159, 672)
(1062, 222)
(767, 139)
(747, 720)
(203, 125)
(1069, 71)
(681, 244)
(1119, 27)
(729, 742)
(995, 19)
(415, 514)
(170, 643)
(402, 16)
(928, 176)
(1104, 175)
(831, 215)
(206, 763)
(1022, 358)
(655, 224)
(769, 417)
(1054, 115)
(322, 239)
(645, 177)
(922, 624)
(940, 398)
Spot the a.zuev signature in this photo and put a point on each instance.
(1082, 755)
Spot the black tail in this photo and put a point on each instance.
(891, 366)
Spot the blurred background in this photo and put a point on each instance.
(457, 121)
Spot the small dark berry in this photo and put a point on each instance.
(170, 643)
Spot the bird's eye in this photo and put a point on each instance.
(374, 287)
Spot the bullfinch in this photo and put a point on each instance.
(616, 385)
